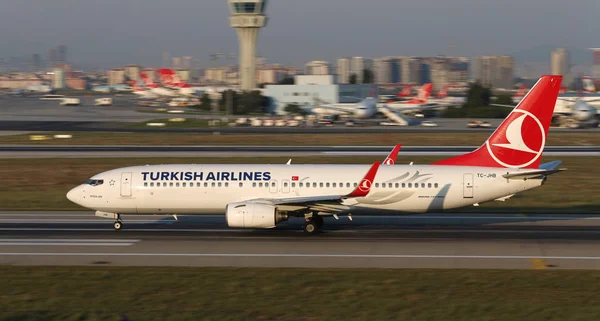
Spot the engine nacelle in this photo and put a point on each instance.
(253, 215)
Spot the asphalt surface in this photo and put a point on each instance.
(420, 241)
(91, 151)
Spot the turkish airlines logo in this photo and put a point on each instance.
(388, 161)
(515, 149)
(365, 185)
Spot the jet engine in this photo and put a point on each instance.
(253, 215)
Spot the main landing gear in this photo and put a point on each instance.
(313, 224)
(117, 225)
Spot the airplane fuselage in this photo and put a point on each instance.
(207, 189)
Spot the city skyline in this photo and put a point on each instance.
(115, 33)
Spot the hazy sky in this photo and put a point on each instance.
(115, 32)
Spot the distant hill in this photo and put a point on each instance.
(577, 56)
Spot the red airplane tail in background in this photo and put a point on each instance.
(423, 95)
(169, 78)
(406, 92)
(519, 141)
(521, 92)
(443, 92)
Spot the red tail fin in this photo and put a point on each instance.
(406, 90)
(425, 92)
(443, 92)
(519, 141)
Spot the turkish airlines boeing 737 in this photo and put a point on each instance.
(261, 196)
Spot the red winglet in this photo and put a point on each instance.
(391, 159)
(364, 187)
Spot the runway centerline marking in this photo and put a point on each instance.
(378, 256)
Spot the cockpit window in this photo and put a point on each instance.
(95, 182)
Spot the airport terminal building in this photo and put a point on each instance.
(312, 90)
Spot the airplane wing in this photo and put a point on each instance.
(391, 158)
(362, 190)
(420, 107)
(500, 105)
(329, 108)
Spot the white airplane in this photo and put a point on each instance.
(367, 108)
(171, 80)
(261, 196)
(156, 89)
(420, 102)
(141, 92)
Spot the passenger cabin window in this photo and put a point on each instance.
(436, 185)
(409, 185)
(95, 182)
(146, 184)
(397, 185)
(376, 185)
(183, 184)
(151, 184)
(205, 184)
(429, 185)
(241, 184)
(300, 184)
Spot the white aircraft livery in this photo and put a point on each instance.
(261, 196)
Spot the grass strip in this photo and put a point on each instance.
(41, 184)
(146, 293)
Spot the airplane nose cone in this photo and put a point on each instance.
(74, 195)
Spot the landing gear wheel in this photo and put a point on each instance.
(311, 227)
(118, 225)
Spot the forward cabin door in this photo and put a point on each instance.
(126, 184)
(468, 185)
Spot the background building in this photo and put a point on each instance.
(386, 70)
(357, 67)
(559, 62)
(317, 68)
(314, 90)
(116, 76)
(58, 78)
(596, 63)
(494, 71)
(343, 70)
(410, 70)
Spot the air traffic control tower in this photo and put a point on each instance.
(247, 17)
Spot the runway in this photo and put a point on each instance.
(93, 151)
(418, 241)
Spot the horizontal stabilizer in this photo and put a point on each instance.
(550, 165)
(531, 174)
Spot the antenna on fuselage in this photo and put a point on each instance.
(289, 162)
